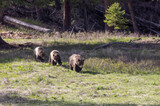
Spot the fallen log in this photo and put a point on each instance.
(156, 32)
(132, 45)
(109, 44)
(14, 21)
(145, 21)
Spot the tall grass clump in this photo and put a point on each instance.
(114, 60)
(106, 66)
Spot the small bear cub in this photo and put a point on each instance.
(76, 62)
(55, 58)
(39, 54)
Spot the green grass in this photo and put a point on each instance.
(111, 76)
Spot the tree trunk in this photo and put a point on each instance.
(85, 15)
(5, 45)
(107, 3)
(1, 15)
(57, 4)
(37, 13)
(66, 15)
(132, 17)
(85, 20)
(2, 42)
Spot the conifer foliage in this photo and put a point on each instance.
(114, 17)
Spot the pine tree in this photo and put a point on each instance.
(114, 17)
(107, 4)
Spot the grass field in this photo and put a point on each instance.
(117, 75)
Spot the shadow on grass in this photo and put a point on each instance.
(128, 53)
(90, 72)
(16, 100)
(27, 53)
(132, 53)
(65, 66)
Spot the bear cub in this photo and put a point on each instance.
(76, 62)
(39, 54)
(55, 58)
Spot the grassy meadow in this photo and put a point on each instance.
(116, 75)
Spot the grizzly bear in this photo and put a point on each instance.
(39, 54)
(76, 62)
(55, 58)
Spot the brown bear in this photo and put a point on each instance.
(76, 62)
(39, 54)
(55, 58)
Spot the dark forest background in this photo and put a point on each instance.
(85, 15)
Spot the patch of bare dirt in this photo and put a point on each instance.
(19, 46)
(17, 35)
(27, 44)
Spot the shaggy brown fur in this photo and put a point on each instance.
(76, 62)
(55, 58)
(39, 54)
